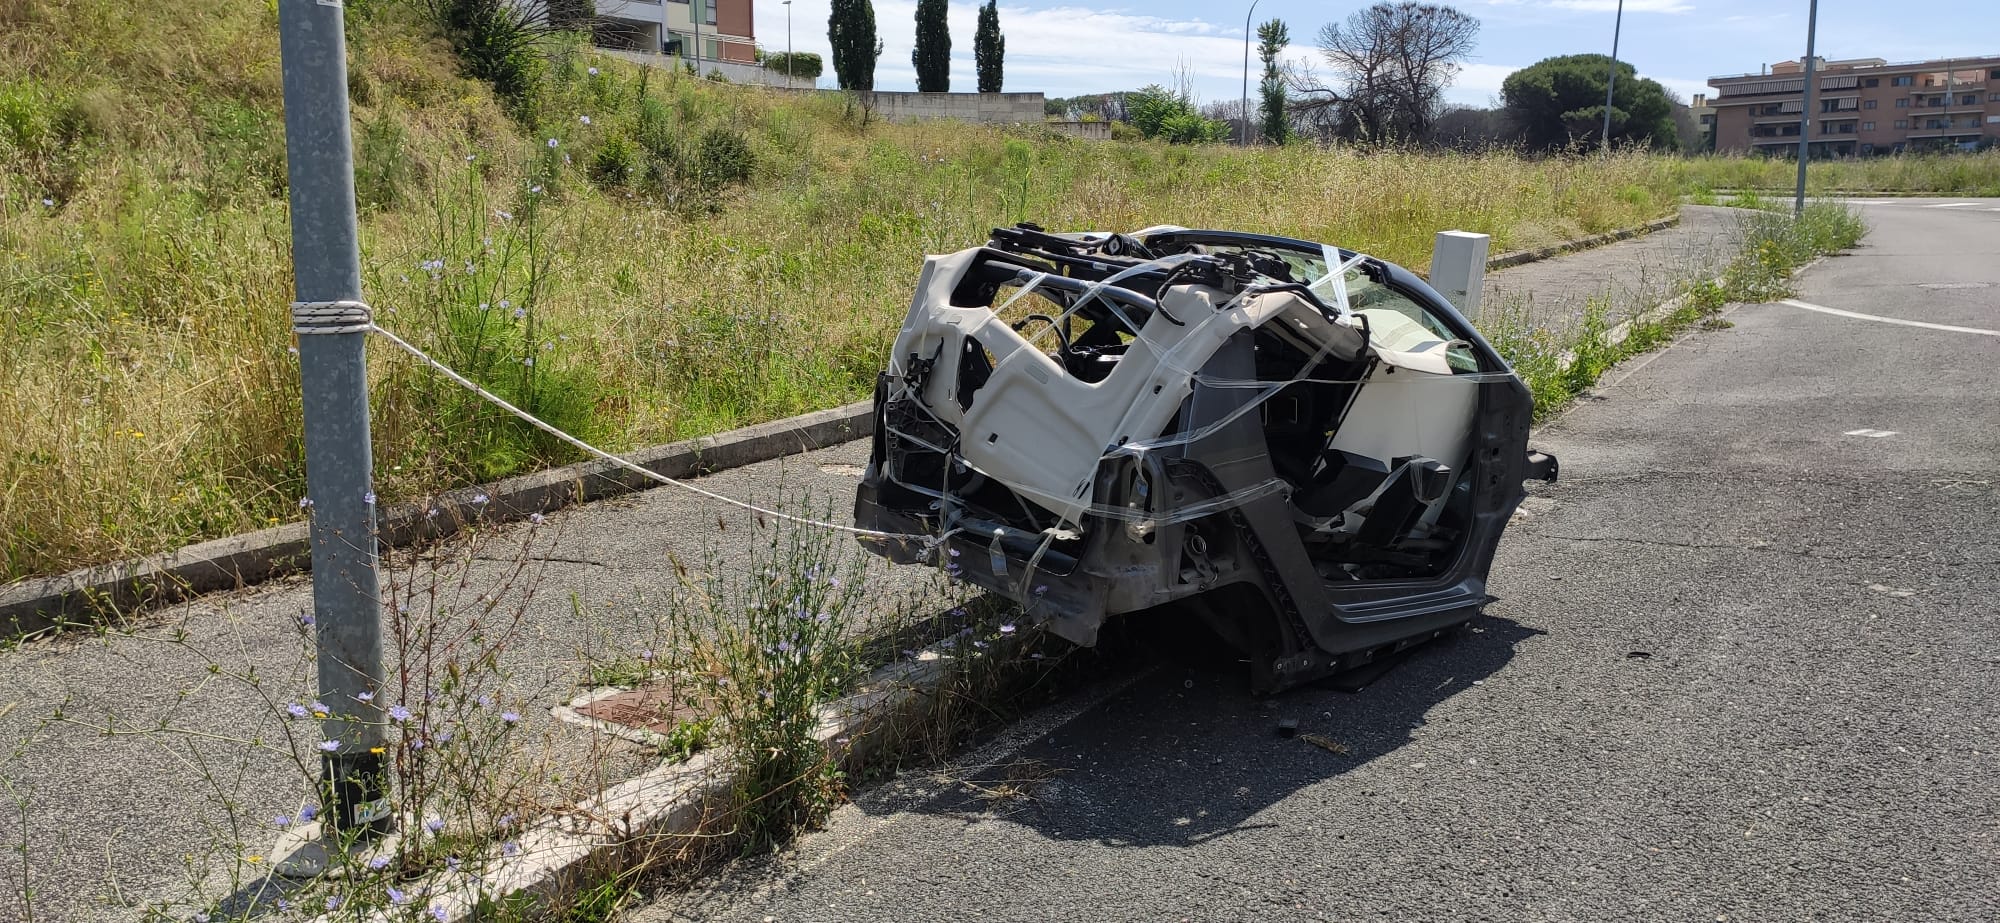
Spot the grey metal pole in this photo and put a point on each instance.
(1611, 82)
(333, 376)
(1245, 139)
(697, 12)
(1948, 70)
(1805, 109)
(788, 44)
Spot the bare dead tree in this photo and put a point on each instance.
(1391, 63)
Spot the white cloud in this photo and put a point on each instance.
(1631, 6)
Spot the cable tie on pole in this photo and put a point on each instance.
(311, 317)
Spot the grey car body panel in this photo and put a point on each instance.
(1298, 610)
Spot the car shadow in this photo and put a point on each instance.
(1186, 754)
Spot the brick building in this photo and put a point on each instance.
(668, 27)
(1861, 107)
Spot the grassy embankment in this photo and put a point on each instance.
(636, 256)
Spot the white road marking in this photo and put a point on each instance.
(1953, 205)
(1889, 320)
(1870, 433)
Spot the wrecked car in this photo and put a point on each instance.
(1307, 446)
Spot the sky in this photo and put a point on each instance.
(1068, 48)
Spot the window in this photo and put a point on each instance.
(1995, 75)
(1867, 126)
(1934, 101)
(1994, 98)
(1903, 103)
(1902, 81)
(1902, 123)
(1872, 82)
(1968, 99)
(1868, 104)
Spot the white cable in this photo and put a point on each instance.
(531, 420)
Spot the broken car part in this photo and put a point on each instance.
(1307, 446)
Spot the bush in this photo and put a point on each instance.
(50, 137)
(495, 41)
(724, 158)
(797, 64)
(615, 163)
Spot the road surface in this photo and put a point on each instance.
(1742, 666)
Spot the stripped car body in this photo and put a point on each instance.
(1308, 446)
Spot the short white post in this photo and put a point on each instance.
(1458, 269)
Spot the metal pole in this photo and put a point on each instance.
(1611, 82)
(788, 44)
(1245, 133)
(697, 13)
(333, 376)
(1805, 109)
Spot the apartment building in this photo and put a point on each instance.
(1861, 107)
(668, 27)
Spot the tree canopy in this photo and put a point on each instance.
(932, 55)
(1272, 37)
(989, 48)
(1391, 63)
(850, 29)
(1557, 102)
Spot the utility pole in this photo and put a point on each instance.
(332, 323)
(788, 44)
(697, 11)
(1245, 113)
(1611, 82)
(1805, 109)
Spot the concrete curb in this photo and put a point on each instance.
(98, 594)
(555, 855)
(1518, 257)
(94, 594)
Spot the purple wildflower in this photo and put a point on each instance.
(434, 825)
(329, 746)
(1007, 628)
(296, 710)
(396, 896)
(378, 863)
(510, 848)
(399, 713)
(438, 913)
(510, 717)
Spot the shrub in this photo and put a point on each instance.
(724, 158)
(495, 41)
(615, 163)
(797, 64)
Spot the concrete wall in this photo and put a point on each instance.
(1089, 131)
(1000, 108)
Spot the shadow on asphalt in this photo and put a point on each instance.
(1187, 755)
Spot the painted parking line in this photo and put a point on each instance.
(1889, 320)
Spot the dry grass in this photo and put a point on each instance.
(151, 394)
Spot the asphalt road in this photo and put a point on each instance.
(1743, 666)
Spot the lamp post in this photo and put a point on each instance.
(1805, 109)
(788, 44)
(1611, 82)
(1245, 113)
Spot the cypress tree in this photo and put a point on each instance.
(932, 56)
(850, 29)
(1272, 38)
(989, 47)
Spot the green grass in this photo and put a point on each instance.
(1558, 364)
(693, 258)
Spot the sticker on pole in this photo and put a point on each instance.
(368, 812)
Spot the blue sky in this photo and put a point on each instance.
(1064, 48)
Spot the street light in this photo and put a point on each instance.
(1617, 25)
(1245, 113)
(788, 44)
(1805, 109)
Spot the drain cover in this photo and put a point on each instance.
(646, 709)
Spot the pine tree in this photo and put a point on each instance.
(989, 47)
(851, 31)
(1272, 37)
(932, 56)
